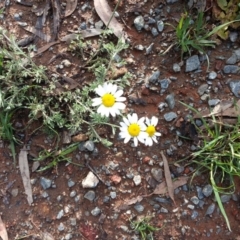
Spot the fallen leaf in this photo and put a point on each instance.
(45, 48)
(104, 12)
(38, 33)
(56, 12)
(168, 177)
(3, 231)
(84, 34)
(24, 170)
(70, 7)
(133, 200)
(162, 187)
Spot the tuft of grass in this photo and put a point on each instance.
(218, 156)
(144, 228)
(193, 35)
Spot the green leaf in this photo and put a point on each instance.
(222, 4)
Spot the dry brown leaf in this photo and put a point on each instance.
(56, 12)
(168, 177)
(162, 187)
(3, 231)
(133, 200)
(71, 6)
(105, 13)
(84, 34)
(38, 33)
(24, 170)
(45, 48)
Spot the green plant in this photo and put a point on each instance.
(218, 155)
(7, 131)
(56, 156)
(193, 35)
(226, 11)
(144, 228)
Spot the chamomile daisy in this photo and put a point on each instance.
(151, 131)
(134, 128)
(110, 100)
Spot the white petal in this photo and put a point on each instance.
(114, 89)
(157, 134)
(113, 112)
(109, 87)
(149, 141)
(134, 118)
(119, 105)
(118, 93)
(96, 102)
(127, 139)
(103, 111)
(100, 91)
(142, 136)
(126, 121)
(148, 121)
(154, 139)
(154, 121)
(120, 99)
(141, 120)
(135, 140)
(123, 125)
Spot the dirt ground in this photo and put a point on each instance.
(41, 220)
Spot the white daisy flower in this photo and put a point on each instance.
(151, 131)
(110, 100)
(132, 127)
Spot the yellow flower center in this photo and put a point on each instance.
(134, 129)
(108, 100)
(151, 130)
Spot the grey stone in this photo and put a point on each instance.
(139, 47)
(71, 183)
(163, 210)
(90, 181)
(162, 105)
(45, 194)
(198, 122)
(113, 195)
(176, 67)
(225, 198)
(77, 198)
(172, 1)
(45, 183)
(232, 60)
(202, 89)
(139, 22)
(61, 227)
(139, 208)
(73, 221)
(17, 17)
(154, 32)
(157, 174)
(99, 24)
(212, 75)
(199, 192)
(233, 36)
(151, 20)
(83, 26)
(207, 190)
(60, 214)
(210, 209)
(149, 48)
(170, 101)
(213, 102)
(160, 25)
(192, 63)
(170, 116)
(137, 180)
(96, 211)
(235, 87)
(90, 195)
(237, 52)
(73, 193)
(106, 199)
(164, 83)
(194, 215)
(195, 200)
(154, 77)
(235, 197)
(89, 145)
(161, 200)
(68, 236)
(230, 69)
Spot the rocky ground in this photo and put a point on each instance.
(114, 185)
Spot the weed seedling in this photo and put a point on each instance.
(218, 156)
(144, 228)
